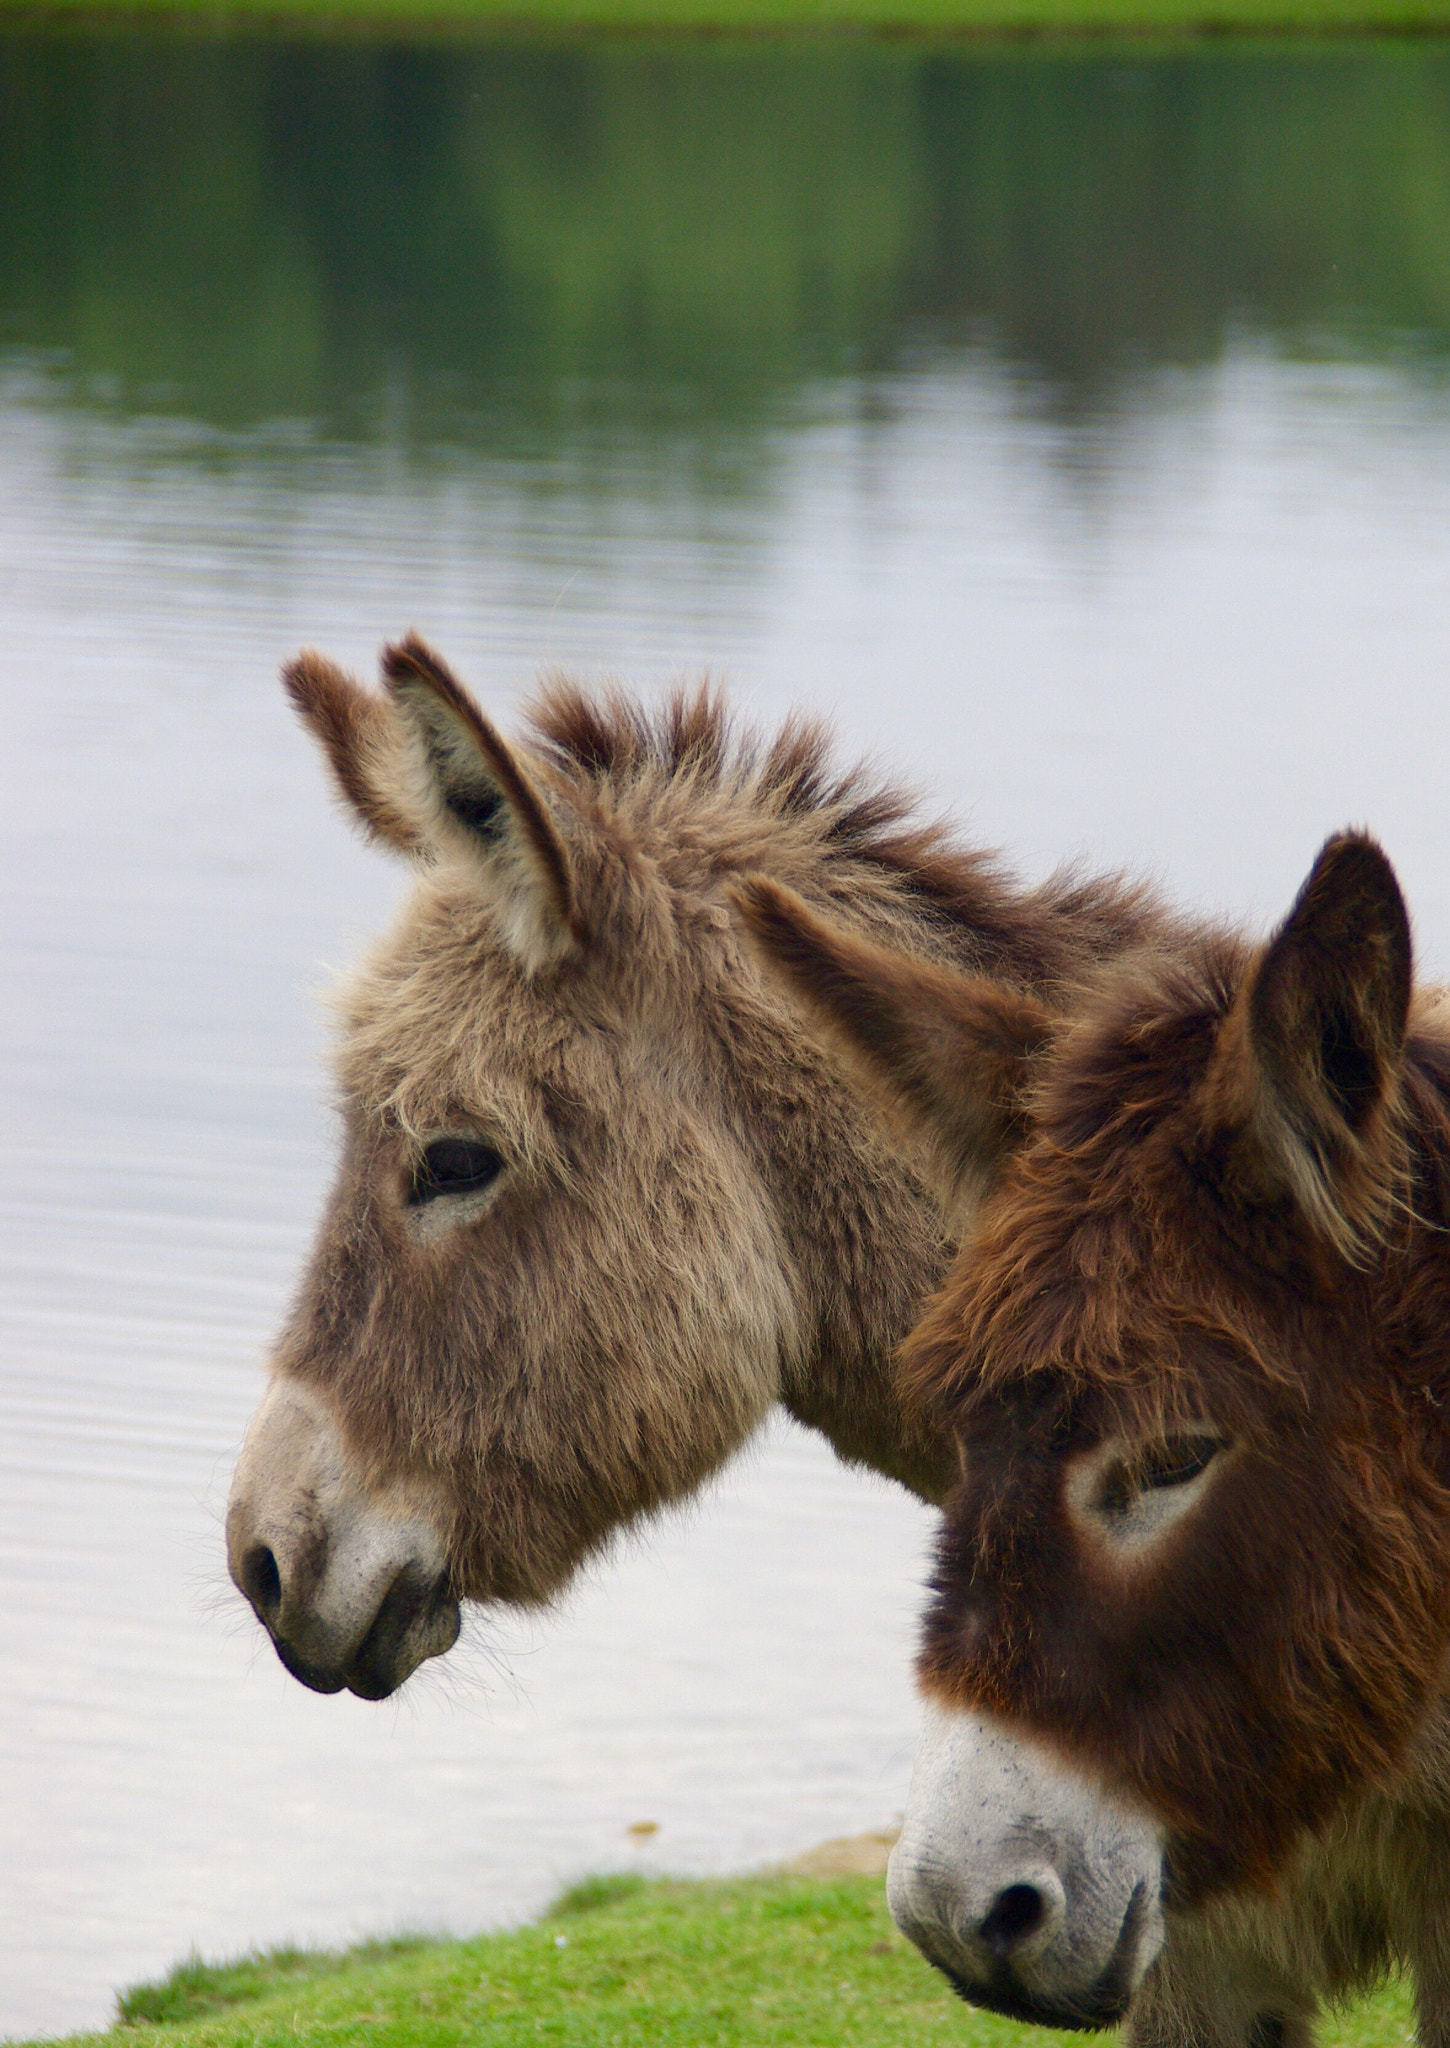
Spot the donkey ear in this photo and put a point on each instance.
(1308, 1058)
(953, 1053)
(365, 745)
(478, 797)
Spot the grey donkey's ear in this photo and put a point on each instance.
(480, 801)
(365, 745)
(953, 1055)
(425, 772)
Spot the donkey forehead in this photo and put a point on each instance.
(1078, 1305)
(1132, 1063)
(1101, 1218)
(1063, 1247)
(440, 1019)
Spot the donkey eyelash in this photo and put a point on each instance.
(1177, 1462)
(453, 1166)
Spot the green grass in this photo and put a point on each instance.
(766, 1962)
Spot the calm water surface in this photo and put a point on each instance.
(1074, 430)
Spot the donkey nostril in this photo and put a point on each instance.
(262, 1582)
(1016, 1913)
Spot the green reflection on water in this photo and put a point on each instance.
(565, 246)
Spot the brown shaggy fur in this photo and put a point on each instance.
(697, 1217)
(1227, 1223)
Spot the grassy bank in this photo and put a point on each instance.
(787, 1961)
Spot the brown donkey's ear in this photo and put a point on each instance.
(953, 1053)
(478, 797)
(1308, 1059)
(365, 745)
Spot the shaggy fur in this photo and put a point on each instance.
(1227, 1223)
(698, 1217)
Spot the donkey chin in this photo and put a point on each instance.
(1036, 1894)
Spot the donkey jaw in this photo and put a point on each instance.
(1036, 1894)
(352, 1588)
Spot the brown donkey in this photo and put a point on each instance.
(1186, 1659)
(602, 1198)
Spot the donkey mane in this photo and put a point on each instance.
(692, 736)
(691, 745)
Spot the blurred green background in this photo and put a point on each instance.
(514, 244)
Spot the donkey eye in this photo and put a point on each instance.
(1174, 1463)
(1182, 1458)
(454, 1166)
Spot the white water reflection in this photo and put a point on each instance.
(1200, 641)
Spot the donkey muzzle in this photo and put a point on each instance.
(1034, 1892)
(352, 1590)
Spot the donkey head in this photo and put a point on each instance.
(1190, 1595)
(549, 1294)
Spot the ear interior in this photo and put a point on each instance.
(953, 1055)
(1309, 1058)
(365, 746)
(484, 802)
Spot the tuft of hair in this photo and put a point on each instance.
(608, 739)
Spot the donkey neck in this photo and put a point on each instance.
(862, 1235)
(676, 806)
(866, 1247)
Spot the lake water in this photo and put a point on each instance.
(1074, 428)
